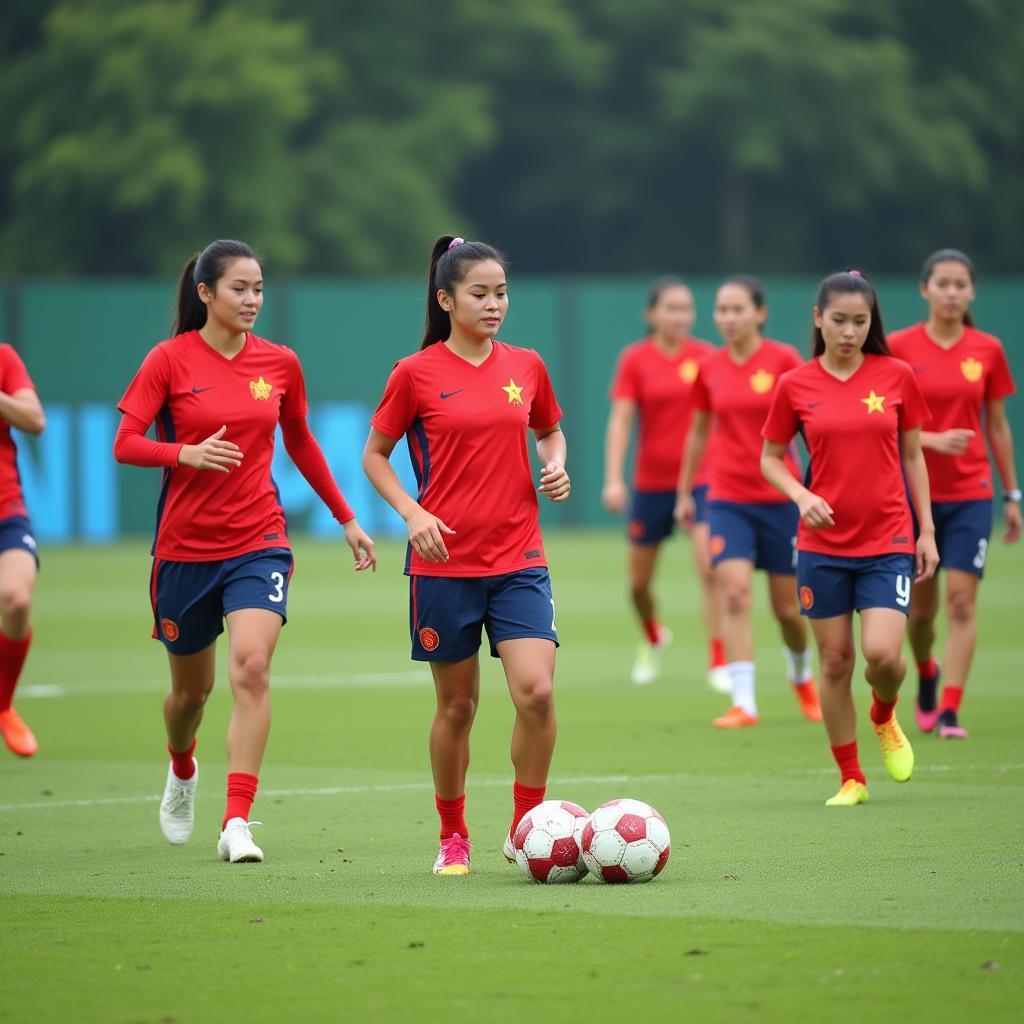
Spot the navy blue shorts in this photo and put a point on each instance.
(764, 534)
(962, 531)
(700, 501)
(16, 532)
(829, 585)
(446, 613)
(190, 599)
(651, 517)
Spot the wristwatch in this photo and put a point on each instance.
(1015, 495)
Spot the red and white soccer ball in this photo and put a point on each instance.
(625, 841)
(547, 842)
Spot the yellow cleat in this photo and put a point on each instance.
(897, 752)
(850, 794)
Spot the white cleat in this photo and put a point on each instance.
(177, 809)
(508, 849)
(236, 845)
(718, 679)
(647, 666)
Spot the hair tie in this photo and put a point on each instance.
(855, 273)
(454, 242)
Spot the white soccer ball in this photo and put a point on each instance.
(547, 842)
(625, 840)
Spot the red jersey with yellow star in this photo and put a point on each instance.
(852, 432)
(467, 431)
(660, 386)
(190, 390)
(13, 377)
(957, 382)
(738, 396)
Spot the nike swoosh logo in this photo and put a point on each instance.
(448, 394)
(814, 405)
(199, 391)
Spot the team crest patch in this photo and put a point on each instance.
(514, 392)
(806, 598)
(688, 370)
(717, 545)
(875, 403)
(637, 529)
(169, 629)
(761, 382)
(972, 369)
(260, 389)
(429, 640)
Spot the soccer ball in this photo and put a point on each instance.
(625, 841)
(547, 842)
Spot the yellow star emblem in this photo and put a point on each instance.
(260, 389)
(972, 369)
(514, 392)
(762, 382)
(688, 370)
(874, 402)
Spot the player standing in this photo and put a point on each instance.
(860, 412)
(19, 562)
(476, 557)
(752, 526)
(217, 393)
(962, 373)
(653, 381)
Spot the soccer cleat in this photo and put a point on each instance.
(718, 679)
(807, 694)
(850, 794)
(453, 857)
(508, 849)
(734, 718)
(647, 666)
(897, 753)
(927, 720)
(177, 809)
(236, 845)
(949, 727)
(17, 735)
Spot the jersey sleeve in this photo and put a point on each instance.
(999, 383)
(398, 407)
(699, 395)
(782, 421)
(914, 410)
(149, 389)
(294, 404)
(544, 409)
(15, 376)
(624, 382)
(792, 358)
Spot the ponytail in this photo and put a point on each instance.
(191, 311)
(851, 282)
(206, 267)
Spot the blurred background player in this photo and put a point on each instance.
(751, 524)
(19, 563)
(476, 558)
(217, 394)
(962, 372)
(653, 381)
(860, 413)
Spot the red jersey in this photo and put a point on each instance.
(661, 387)
(739, 395)
(13, 377)
(956, 383)
(852, 431)
(191, 390)
(466, 426)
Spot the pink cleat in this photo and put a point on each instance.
(949, 727)
(453, 857)
(926, 720)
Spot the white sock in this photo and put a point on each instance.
(799, 663)
(741, 675)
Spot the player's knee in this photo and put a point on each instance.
(960, 607)
(836, 664)
(640, 591)
(536, 697)
(190, 700)
(886, 660)
(15, 603)
(786, 611)
(459, 712)
(252, 673)
(736, 598)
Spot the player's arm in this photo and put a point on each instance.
(947, 442)
(425, 529)
(927, 554)
(815, 511)
(552, 450)
(616, 442)
(23, 410)
(694, 446)
(1000, 439)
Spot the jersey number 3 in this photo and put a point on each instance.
(277, 582)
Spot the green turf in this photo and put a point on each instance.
(772, 908)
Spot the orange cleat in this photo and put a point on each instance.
(17, 735)
(734, 718)
(807, 694)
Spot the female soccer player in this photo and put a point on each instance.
(218, 393)
(751, 525)
(962, 372)
(860, 413)
(19, 407)
(476, 558)
(653, 380)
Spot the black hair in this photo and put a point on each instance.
(752, 284)
(949, 256)
(851, 282)
(448, 266)
(206, 267)
(661, 285)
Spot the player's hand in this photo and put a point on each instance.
(815, 512)
(1012, 518)
(554, 482)
(685, 512)
(425, 535)
(951, 442)
(213, 453)
(362, 546)
(926, 557)
(614, 497)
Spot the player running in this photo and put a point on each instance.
(476, 557)
(19, 562)
(217, 393)
(653, 381)
(962, 373)
(751, 525)
(860, 413)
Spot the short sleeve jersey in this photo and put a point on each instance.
(13, 378)
(956, 383)
(661, 387)
(852, 430)
(738, 396)
(190, 390)
(466, 427)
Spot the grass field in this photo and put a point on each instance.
(772, 907)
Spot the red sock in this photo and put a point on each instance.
(717, 652)
(183, 765)
(453, 816)
(849, 766)
(653, 631)
(241, 793)
(951, 697)
(523, 799)
(881, 710)
(928, 668)
(12, 658)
